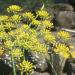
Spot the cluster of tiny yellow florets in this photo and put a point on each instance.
(30, 41)
(3, 35)
(16, 53)
(64, 35)
(3, 18)
(26, 67)
(9, 26)
(28, 15)
(15, 18)
(62, 50)
(8, 43)
(48, 36)
(36, 22)
(14, 8)
(42, 14)
(48, 24)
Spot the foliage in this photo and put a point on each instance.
(22, 31)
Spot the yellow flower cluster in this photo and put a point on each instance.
(42, 14)
(8, 43)
(26, 67)
(62, 50)
(14, 8)
(16, 53)
(25, 27)
(4, 18)
(23, 36)
(28, 15)
(30, 42)
(36, 22)
(15, 18)
(48, 24)
(36, 46)
(48, 36)
(3, 35)
(64, 35)
(9, 25)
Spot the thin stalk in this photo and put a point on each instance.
(53, 69)
(13, 65)
(23, 54)
(21, 73)
(62, 64)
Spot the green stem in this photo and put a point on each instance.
(62, 64)
(53, 69)
(13, 65)
(23, 54)
(21, 73)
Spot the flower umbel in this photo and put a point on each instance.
(36, 22)
(4, 18)
(48, 24)
(28, 15)
(64, 35)
(14, 8)
(42, 14)
(16, 53)
(15, 18)
(26, 67)
(62, 50)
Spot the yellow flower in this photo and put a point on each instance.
(3, 18)
(25, 27)
(26, 67)
(16, 53)
(28, 15)
(64, 35)
(50, 38)
(14, 8)
(36, 22)
(62, 50)
(43, 13)
(9, 25)
(15, 18)
(33, 31)
(24, 36)
(48, 24)
(3, 35)
(34, 45)
(8, 43)
(73, 54)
